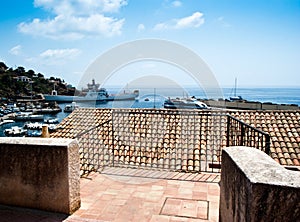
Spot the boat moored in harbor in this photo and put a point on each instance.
(92, 93)
(15, 131)
(51, 120)
(70, 108)
(27, 116)
(6, 121)
(184, 104)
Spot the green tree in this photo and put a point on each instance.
(31, 73)
(3, 67)
(20, 70)
(40, 75)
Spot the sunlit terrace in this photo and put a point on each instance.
(159, 165)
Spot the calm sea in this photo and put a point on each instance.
(155, 97)
(150, 98)
(273, 95)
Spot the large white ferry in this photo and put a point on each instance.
(93, 93)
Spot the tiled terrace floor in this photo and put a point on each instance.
(119, 194)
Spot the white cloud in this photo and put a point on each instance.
(176, 4)
(71, 27)
(141, 27)
(112, 5)
(55, 57)
(222, 21)
(76, 19)
(16, 50)
(193, 21)
(54, 54)
(80, 7)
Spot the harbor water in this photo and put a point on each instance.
(154, 98)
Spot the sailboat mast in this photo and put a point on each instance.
(235, 83)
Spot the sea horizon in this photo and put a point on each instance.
(279, 95)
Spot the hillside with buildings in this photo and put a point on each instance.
(19, 83)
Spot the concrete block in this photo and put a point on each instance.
(41, 173)
(254, 187)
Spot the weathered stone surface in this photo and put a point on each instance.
(40, 173)
(256, 188)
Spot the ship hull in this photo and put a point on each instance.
(127, 96)
(62, 99)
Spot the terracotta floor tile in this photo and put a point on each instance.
(118, 202)
(112, 197)
(185, 208)
(202, 210)
(160, 218)
(171, 192)
(155, 187)
(188, 208)
(199, 195)
(106, 197)
(170, 208)
(178, 219)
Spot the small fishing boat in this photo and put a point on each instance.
(51, 120)
(6, 121)
(15, 131)
(70, 108)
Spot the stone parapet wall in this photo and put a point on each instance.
(255, 188)
(40, 173)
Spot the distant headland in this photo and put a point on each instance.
(16, 83)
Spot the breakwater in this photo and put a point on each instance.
(249, 105)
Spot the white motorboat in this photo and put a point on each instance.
(184, 104)
(15, 131)
(33, 126)
(6, 121)
(50, 121)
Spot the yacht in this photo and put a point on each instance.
(184, 104)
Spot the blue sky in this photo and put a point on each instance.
(256, 41)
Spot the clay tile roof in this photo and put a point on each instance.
(282, 126)
(284, 130)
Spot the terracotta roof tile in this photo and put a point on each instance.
(296, 162)
(284, 130)
(283, 127)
